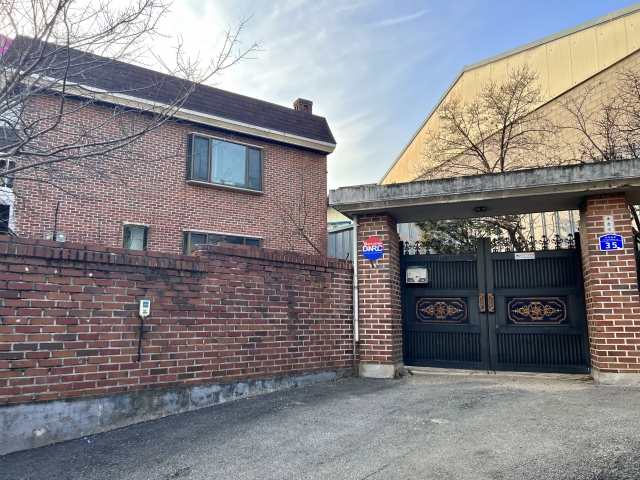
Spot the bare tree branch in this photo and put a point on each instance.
(493, 132)
(50, 77)
(295, 217)
(501, 129)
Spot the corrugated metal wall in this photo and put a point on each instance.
(341, 242)
(562, 61)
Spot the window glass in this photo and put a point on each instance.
(200, 158)
(7, 180)
(215, 239)
(134, 237)
(192, 239)
(185, 243)
(255, 169)
(228, 163)
(5, 210)
(218, 239)
(223, 163)
(197, 239)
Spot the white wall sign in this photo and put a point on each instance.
(525, 255)
(609, 226)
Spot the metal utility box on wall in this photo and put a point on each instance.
(417, 275)
(145, 308)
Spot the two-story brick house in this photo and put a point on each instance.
(225, 168)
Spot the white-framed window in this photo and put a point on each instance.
(221, 162)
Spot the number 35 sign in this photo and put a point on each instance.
(611, 242)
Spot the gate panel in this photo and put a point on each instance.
(442, 322)
(489, 310)
(539, 318)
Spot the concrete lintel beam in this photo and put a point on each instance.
(523, 191)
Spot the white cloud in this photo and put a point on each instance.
(374, 85)
(330, 53)
(397, 20)
(354, 6)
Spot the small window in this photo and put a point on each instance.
(135, 237)
(5, 212)
(191, 239)
(6, 180)
(224, 163)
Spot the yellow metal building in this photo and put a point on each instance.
(574, 59)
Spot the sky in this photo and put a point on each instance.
(373, 68)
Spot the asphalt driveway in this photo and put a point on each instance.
(418, 427)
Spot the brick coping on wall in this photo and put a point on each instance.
(276, 255)
(30, 247)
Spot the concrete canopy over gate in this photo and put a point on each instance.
(522, 191)
(596, 189)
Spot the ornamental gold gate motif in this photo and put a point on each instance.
(496, 310)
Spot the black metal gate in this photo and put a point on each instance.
(496, 310)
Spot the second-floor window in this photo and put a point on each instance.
(225, 163)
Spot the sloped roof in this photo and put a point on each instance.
(563, 60)
(117, 77)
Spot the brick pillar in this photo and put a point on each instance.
(611, 293)
(380, 345)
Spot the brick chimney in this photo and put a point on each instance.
(303, 105)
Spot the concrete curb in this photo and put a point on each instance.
(485, 373)
(31, 425)
(619, 379)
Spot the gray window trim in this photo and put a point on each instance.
(226, 140)
(221, 186)
(230, 234)
(209, 184)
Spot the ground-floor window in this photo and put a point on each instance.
(134, 237)
(5, 213)
(191, 239)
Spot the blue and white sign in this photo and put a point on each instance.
(611, 242)
(372, 248)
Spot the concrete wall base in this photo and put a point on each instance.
(622, 379)
(380, 371)
(30, 425)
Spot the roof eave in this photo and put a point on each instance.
(569, 31)
(204, 119)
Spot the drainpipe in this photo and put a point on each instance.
(356, 328)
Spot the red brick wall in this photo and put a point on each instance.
(146, 184)
(611, 288)
(69, 324)
(379, 294)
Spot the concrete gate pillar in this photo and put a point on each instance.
(611, 292)
(380, 347)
